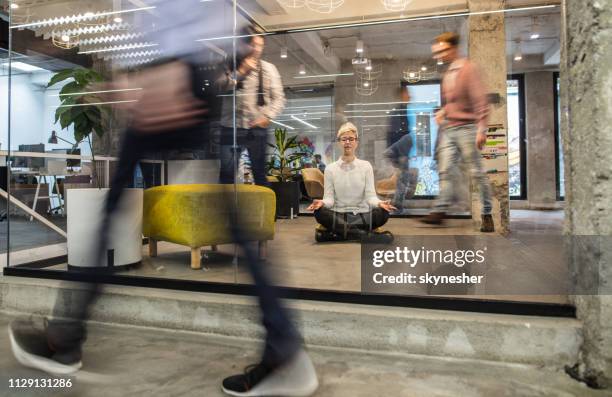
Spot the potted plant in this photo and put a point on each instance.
(285, 165)
(82, 109)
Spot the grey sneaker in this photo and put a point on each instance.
(33, 348)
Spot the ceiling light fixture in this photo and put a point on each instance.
(120, 48)
(535, 30)
(518, 54)
(324, 6)
(14, 6)
(302, 69)
(283, 53)
(359, 47)
(65, 20)
(322, 75)
(24, 67)
(282, 125)
(118, 20)
(304, 122)
(396, 5)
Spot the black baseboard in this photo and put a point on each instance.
(422, 302)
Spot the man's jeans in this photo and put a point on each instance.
(456, 144)
(398, 155)
(255, 141)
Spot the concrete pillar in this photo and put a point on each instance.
(586, 88)
(487, 47)
(541, 162)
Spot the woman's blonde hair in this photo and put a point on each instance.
(347, 127)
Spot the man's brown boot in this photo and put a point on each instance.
(487, 225)
(434, 218)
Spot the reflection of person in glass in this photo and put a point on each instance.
(259, 99)
(317, 162)
(464, 117)
(400, 143)
(350, 208)
(172, 110)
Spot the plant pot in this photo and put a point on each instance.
(84, 211)
(287, 198)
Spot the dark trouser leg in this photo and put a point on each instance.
(378, 217)
(282, 339)
(67, 335)
(256, 144)
(228, 156)
(331, 220)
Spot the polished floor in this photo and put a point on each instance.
(526, 265)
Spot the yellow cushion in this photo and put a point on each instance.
(198, 215)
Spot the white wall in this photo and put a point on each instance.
(32, 112)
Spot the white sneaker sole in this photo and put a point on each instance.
(296, 379)
(44, 364)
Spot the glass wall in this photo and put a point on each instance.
(87, 83)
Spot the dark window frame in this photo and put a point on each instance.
(423, 82)
(522, 135)
(557, 123)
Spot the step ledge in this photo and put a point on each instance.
(491, 337)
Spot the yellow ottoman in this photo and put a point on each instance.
(197, 216)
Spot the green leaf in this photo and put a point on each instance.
(59, 111)
(69, 88)
(65, 119)
(60, 76)
(99, 130)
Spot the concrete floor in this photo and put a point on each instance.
(128, 361)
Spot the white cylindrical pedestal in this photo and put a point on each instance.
(85, 209)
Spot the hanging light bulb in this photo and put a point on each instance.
(366, 84)
(283, 53)
(424, 68)
(518, 54)
(302, 69)
(535, 30)
(369, 66)
(359, 47)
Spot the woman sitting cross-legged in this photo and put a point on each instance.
(350, 208)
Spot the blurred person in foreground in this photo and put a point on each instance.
(350, 208)
(176, 104)
(399, 144)
(464, 120)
